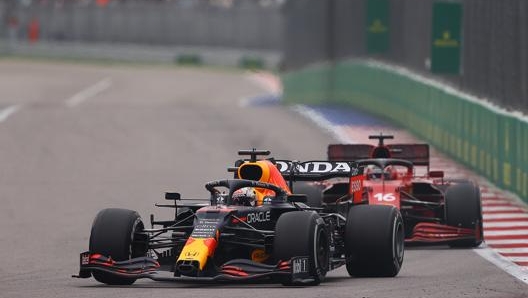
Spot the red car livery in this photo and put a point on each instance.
(435, 209)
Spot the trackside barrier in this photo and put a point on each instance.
(181, 55)
(188, 59)
(251, 62)
(488, 140)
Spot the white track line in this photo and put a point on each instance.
(505, 208)
(520, 214)
(324, 124)
(88, 93)
(5, 113)
(507, 241)
(505, 233)
(505, 224)
(519, 259)
(512, 250)
(491, 203)
(503, 263)
(491, 195)
(487, 195)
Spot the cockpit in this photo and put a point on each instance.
(376, 173)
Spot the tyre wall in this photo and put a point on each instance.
(477, 134)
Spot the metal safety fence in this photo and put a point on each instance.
(214, 23)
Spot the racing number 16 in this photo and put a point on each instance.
(388, 197)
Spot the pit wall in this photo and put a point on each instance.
(491, 141)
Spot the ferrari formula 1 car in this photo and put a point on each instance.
(434, 209)
(252, 227)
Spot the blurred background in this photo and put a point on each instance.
(387, 57)
(290, 34)
(283, 34)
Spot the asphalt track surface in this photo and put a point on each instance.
(77, 138)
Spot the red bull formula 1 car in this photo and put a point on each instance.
(252, 227)
(434, 209)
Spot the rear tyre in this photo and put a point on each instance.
(302, 233)
(374, 241)
(463, 209)
(112, 236)
(314, 194)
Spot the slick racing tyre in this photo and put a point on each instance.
(314, 193)
(374, 241)
(302, 233)
(112, 235)
(463, 209)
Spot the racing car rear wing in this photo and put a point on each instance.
(292, 170)
(317, 170)
(418, 154)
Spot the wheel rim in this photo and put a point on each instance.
(399, 242)
(133, 251)
(322, 251)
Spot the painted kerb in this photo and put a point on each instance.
(493, 143)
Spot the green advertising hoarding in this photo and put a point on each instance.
(446, 37)
(377, 26)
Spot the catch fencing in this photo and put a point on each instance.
(221, 23)
(494, 42)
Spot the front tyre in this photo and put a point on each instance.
(303, 233)
(463, 209)
(112, 236)
(374, 241)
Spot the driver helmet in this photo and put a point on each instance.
(375, 173)
(391, 173)
(245, 196)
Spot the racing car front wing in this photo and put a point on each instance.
(234, 270)
(425, 232)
